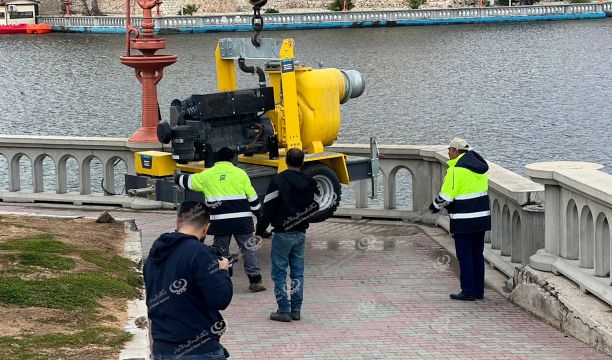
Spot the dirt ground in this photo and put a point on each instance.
(36, 321)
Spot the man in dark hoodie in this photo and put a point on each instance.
(288, 205)
(186, 287)
(464, 194)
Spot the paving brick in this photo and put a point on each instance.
(372, 291)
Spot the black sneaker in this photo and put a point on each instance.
(280, 316)
(295, 315)
(462, 296)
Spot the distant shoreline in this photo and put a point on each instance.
(330, 20)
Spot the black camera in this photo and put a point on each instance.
(220, 254)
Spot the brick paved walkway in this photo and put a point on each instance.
(374, 290)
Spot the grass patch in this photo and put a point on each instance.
(49, 261)
(114, 264)
(40, 243)
(29, 347)
(69, 292)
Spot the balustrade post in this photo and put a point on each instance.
(109, 176)
(85, 177)
(37, 174)
(362, 194)
(14, 175)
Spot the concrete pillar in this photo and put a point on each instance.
(421, 186)
(587, 239)
(506, 242)
(61, 179)
(552, 218)
(533, 231)
(389, 191)
(602, 246)
(85, 176)
(37, 174)
(518, 231)
(109, 175)
(361, 196)
(14, 175)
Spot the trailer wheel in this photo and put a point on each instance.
(329, 189)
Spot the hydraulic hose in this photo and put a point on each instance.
(253, 70)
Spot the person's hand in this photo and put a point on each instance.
(433, 209)
(258, 240)
(223, 264)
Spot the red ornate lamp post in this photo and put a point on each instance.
(67, 3)
(149, 68)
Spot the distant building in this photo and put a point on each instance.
(14, 12)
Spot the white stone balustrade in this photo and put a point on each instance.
(577, 198)
(60, 149)
(578, 215)
(517, 215)
(243, 21)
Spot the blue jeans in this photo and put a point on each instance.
(215, 355)
(469, 248)
(288, 250)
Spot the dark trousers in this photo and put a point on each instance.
(469, 248)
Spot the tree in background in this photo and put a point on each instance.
(338, 5)
(415, 4)
(189, 9)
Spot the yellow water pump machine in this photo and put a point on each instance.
(293, 106)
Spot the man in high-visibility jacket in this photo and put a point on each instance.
(232, 200)
(464, 194)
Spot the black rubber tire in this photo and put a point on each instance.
(320, 172)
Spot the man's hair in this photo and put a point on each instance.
(295, 158)
(194, 213)
(461, 151)
(225, 154)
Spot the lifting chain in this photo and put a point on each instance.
(257, 20)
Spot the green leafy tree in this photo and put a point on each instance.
(338, 5)
(189, 9)
(415, 4)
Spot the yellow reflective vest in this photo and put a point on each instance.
(464, 194)
(229, 195)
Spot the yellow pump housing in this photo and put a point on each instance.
(307, 111)
(319, 93)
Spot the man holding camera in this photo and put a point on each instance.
(187, 285)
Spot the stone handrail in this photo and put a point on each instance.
(578, 200)
(517, 214)
(578, 215)
(60, 149)
(243, 21)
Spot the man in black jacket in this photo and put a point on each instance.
(186, 287)
(288, 205)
